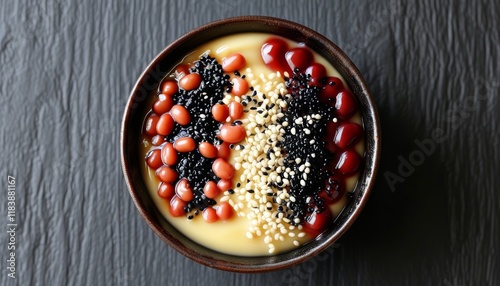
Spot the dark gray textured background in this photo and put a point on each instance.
(66, 72)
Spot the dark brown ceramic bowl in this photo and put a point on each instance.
(147, 85)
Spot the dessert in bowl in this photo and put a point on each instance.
(250, 144)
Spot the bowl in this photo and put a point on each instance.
(148, 83)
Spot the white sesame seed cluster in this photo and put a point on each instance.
(261, 163)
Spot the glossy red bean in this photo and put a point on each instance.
(153, 158)
(233, 62)
(348, 163)
(220, 112)
(181, 70)
(317, 72)
(150, 124)
(208, 150)
(348, 134)
(184, 144)
(318, 222)
(345, 104)
(225, 211)
(240, 86)
(329, 91)
(223, 151)
(232, 134)
(190, 81)
(236, 110)
(273, 53)
(225, 184)
(166, 174)
(166, 191)
(299, 58)
(169, 87)
(210, 215)
(183, 190)
(157, 140)
(177, 206)
(163, 103)
(223, 169)
(180, 114)
(211, 190)
(169, 154)
(165, 124)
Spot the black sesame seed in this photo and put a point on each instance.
(230, 191)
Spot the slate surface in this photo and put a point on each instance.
(66, 71)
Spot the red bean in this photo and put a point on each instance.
(348, 134)
(180, 114)
(225, 185)
(299, 58)
(183, 190)
(224, 151)
(165, 124)
(166, 191)
(220, 112)
(233, 62)
(153, 158)
(348, 162)
(207, 150)
(150, 125)
(223, 169)
(240, 86)
(211, 190)
(157, 140)
(190, 81)
(168, 154)
(181, 70)
(232, 134)
(330, 90)
(210, 215)
(166, 174)
(177, 206)
(225, 211)
(317, 72)
(318, 222)
(345, 104)
(184, 144)
(273, 53)
(163, 104)
(236, 110)
(169, 87)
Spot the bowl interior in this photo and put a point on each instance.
(148, 84)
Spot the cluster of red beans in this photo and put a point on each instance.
(335, 158)
(313, 92)
(164, 126)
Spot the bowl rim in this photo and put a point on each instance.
(341, 60)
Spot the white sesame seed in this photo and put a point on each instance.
(302, 183)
